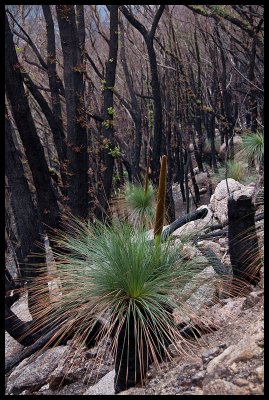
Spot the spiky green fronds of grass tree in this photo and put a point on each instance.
(253, 147)
(114, 274)
(140, 204)
(237, 171)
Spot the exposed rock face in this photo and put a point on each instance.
(216, 247)
(230, 361)
(218, 201)
(20, 308)
(33, 373)
(188, 252)
(242, 360)
(104, 387)
(222, 387)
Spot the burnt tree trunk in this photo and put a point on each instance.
(135, 110)
(180, 164)
(28, 222)
(108, 145)
(243, 241)
(148, 36)
(170, 205)
(77, 155)
(47, 200)
(186, 181)
(194, 183)
(26, 215)
(55, 127)
(60, 141)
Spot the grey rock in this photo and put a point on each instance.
(33, 372)
(222, 387)
(188, 252)
(209, 354)
(104, 387)
(194, 226)
(250, 346)
(219, 200)
(223, 313)
(213, 246)
(198, 377)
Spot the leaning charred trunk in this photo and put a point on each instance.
(46, 197)
(243, 241)
(194, 183)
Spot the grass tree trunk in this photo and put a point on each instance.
(131, 361)
(134, 353)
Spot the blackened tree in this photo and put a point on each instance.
(74, 67)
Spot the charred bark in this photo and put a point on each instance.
(193, 216)
(148, 36)
(243, 241)
(47, 200)
(60, 142)
(108, 145)
(77, 155)
(135, 110)
(54, 124)
(26, 215)
(134, 353)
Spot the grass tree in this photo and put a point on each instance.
(140, 202)
(116, 275)
(253, 148)
(236, 170)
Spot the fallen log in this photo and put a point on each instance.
(211, 228)
(17, 328)
(222, 232)
(214, 261)
(46, 338)
(192, 216)
(28, 351)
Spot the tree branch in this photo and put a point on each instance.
(134, 21)
(156, 20)
(28, 40)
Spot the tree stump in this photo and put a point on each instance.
(243, 241)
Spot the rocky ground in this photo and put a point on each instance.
(227, 360)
